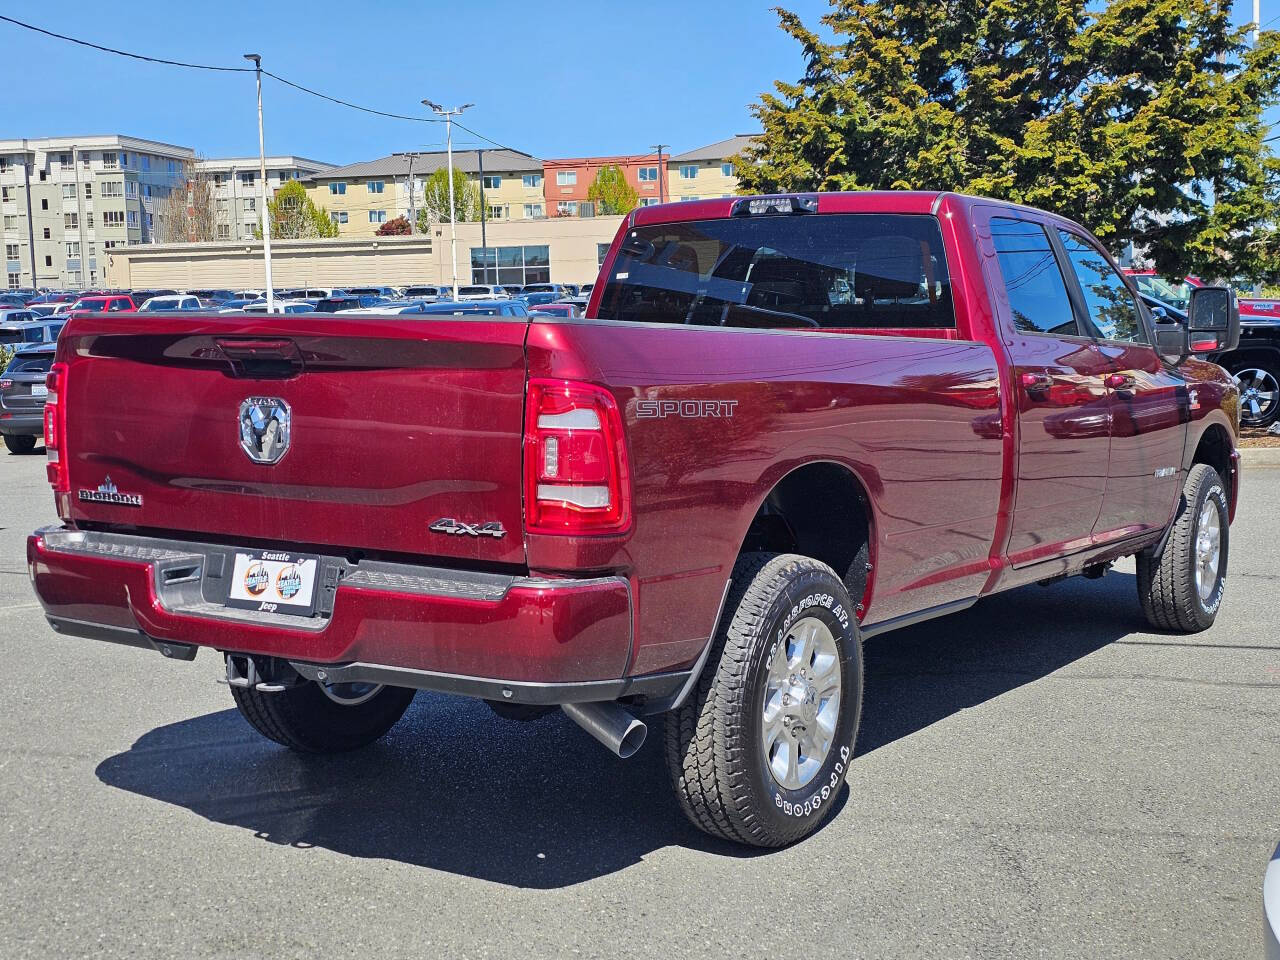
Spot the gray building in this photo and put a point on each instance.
(65, 200)
(235, 188)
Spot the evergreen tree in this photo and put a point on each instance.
(1142, 119)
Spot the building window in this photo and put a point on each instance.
(250, 228)
(251, 203)
(566, 178)
(46, 233)
(73, 249)
(68, 191)
(219, 179)
(221, 203)
(248, 178)
(532, 211)
(377, 216)
(172, 167)
(566, 208)
(497, 211)
(648, 174)
(44, 203)
(688, 171)
(602, 251)
(48, 261)
(6, 193)
(532, 180)
(491, 182)
(131, 189)
(131, 217)
(376, 186)
(109, 161)
(11, 251)
(151, 221)
(84, 160)
(71, 221)
(88, 219)
(88, 191)
(112, 218)
(687, 199)
(15, 281)
(514, 265)
(339, 217)
(11, 223)
(649, 201)
(64, 159)
(112, 188)
(146, 190)
(337, 189)
(224, 231)
(145, 161)
(726, 169)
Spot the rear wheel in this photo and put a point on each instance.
(759, 751)
(1259, 385)
(317, 718)
(19, 444)
(1182, 588)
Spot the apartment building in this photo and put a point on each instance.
(705, 172)
(361, 197)
(568, 181)
(235, 188)
(64, 200)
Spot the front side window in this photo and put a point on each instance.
(1037, 292)
(824, 271)
(1112, 309)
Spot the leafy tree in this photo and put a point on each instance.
(295, 216)
(611, 192)
(399, 227)
(1141, 119)
(435, 199)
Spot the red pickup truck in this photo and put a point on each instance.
(785, 425)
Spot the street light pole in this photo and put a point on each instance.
(262, 189)
(453, 215)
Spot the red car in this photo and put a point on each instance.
(103, 303)
(785, 425)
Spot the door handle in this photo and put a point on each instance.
(1036, 382)
(1121, 381)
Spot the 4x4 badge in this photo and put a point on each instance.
(459, 529)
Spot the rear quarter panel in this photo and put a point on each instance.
(917, 420)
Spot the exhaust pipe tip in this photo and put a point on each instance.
(610, 724)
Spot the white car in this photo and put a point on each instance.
(483, 291)
(170, 304)
(394, 307)
(277, 306)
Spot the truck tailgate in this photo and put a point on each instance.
(394, 424)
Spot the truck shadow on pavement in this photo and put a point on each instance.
(540, 804)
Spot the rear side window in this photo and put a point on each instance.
(1037, 292)
(803, 272)
(1112, 309)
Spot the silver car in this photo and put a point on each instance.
(1271, 907)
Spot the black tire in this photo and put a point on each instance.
(303, 718)
(714, 751)
(1167, 584)
(18, 443)
(1259, 383)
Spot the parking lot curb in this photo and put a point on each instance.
(1260, 456)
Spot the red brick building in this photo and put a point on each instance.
(567, 181)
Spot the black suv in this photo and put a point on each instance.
(22, 395)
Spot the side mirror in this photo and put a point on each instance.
(1213, 320)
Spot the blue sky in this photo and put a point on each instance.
(560, 79)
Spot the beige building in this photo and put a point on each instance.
(363, 196)
(560, 250)
(235, 188)
(65, 201)
(705, 172)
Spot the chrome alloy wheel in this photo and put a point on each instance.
(801, 703)
(350, 694)
(1208, 550)
(1259, 394)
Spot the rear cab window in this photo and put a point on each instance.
(827, 271)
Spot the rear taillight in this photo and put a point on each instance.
(575, 463)
(55, 428)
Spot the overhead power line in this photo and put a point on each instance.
(353, 106)
(125, 53)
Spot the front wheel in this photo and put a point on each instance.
(760, 750)
(1181, 589)
(313, 718)
(1259, 386)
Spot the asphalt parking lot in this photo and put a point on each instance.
(1037, 777)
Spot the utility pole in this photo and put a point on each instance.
(662, 173)
(262, 187)
(412, 214)
(1257, 21)
(453, 214)
(484, 209)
